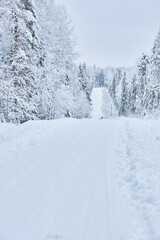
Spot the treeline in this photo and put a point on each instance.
(40, 80)
(38, 75)
(135, 91)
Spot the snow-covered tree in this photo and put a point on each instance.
(155, 72)
(116, 81)
(143, 80)
(21, 60)
(133, 96)
(85, 80)
(85, 87)
(61, 81)
(100, 79)
(124, 106)
(155, 60)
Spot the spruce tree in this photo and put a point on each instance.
(117, 78)
(143, 80)
(133, 96)
(124, 106)
(155, 60)
(155, 71)
(22, 61)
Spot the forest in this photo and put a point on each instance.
(41, 79)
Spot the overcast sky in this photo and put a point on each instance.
(114, 32)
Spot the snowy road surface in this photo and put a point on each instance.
(102, 104)
(80, 180)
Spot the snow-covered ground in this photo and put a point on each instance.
(86, 179)
(80, 179)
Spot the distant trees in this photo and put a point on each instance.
(155, 60)
(133, 95)
(85, 86)
(123, 109)
(155, 72)
(114, 87)
(137, 93)
(100, 79)
(142, 82)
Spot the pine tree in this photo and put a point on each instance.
(85, 86)
(155, 60)
(117, 78)
(123, 110)
(155, 71)
(100, 79)
(113, 87)
(133, 96)
(143, 80)
(22, 62)
(84, 79)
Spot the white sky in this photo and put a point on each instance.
(114, 32)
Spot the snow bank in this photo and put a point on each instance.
(140, 168)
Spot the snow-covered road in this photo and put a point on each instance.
(102, 104)
(80, 179)
(63, 186)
